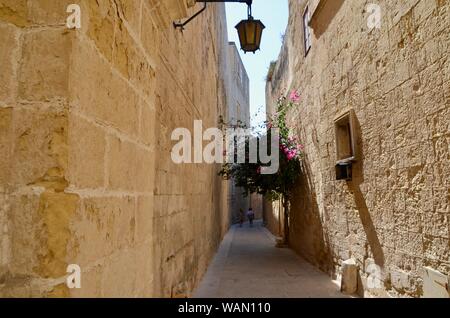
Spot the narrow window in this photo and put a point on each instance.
(307, 31)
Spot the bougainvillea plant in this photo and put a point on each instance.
(273, 186)
(279, 185)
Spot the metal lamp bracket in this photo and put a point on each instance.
(181, 25)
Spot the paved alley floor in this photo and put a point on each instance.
(249, 265)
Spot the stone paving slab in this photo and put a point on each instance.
(248, 265)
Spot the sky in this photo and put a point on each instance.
(274, 15)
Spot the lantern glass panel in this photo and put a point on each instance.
(250, 32)
(241, 32)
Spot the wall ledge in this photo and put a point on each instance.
(315, 7)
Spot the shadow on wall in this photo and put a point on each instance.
(354, 185)
(307, 234)
(308, 231)
(361, 206)
(322, 19)
(272, 217)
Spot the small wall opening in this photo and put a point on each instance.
(345, 138)
(345, 145)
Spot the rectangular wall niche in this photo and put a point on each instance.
(345, 145)
(345, 137)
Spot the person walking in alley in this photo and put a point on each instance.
(250, 216)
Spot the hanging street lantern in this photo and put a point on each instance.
(249, 31)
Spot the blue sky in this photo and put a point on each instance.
(274, 15)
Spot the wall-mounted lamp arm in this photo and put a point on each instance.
(182, 25)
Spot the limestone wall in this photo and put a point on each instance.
(273, 217)
(238, 99)
(395, 212)
(85, 122)
(239, 88)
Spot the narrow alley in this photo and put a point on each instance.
(249, 265)
(135, 133)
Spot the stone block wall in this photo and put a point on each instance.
(395, 212)
(85, 122)
(238, 99)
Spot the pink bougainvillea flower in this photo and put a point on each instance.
(295, 96)
(290, 156)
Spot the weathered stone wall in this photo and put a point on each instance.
(85, 122)
(256, 202)
(238, 96)
(239, 87)
(273, 217)
(395, 212)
